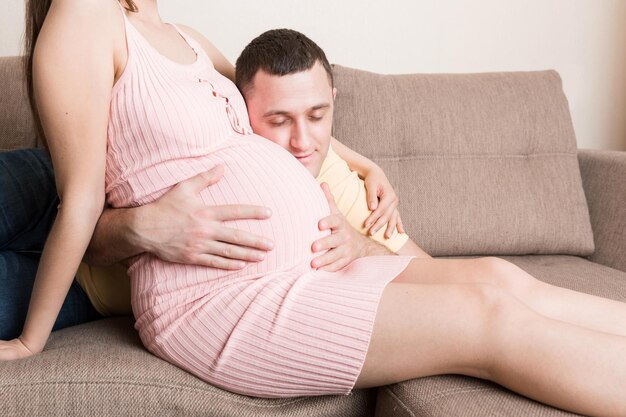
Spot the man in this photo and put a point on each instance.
(287, 83)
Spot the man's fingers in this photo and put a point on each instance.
(218, 262)
(329, 197)
(204, 179)
(240, 253)
(326, 259)
(378, 223)
(328, 242)
(400, 225)
(239, 212)
(242, 238)
(382, 220)
(337, 265)
(372, 196)
(371, 219)
(391, 224)
(330, 222)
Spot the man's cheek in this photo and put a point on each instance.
(276, 135)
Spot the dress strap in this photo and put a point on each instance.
(190, 41)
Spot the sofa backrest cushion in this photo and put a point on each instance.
(482, 163)
(17, 129)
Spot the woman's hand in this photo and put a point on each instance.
(13, 349)
(180, 227)
(343, 245)
(383, 202)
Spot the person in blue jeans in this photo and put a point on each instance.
(28, 207)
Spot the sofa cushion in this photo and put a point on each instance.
(17, 129)
(483, 163)
(455, 395)
(101, 368)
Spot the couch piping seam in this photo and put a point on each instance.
(399, 401)
(448, 393)
(473, 156)
(167, 387)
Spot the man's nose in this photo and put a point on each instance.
(300, 137)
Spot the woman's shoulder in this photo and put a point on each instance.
(219, 60)
(74, 29)
(87, 9)
(88, 18)
(80, 25)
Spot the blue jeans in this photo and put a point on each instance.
(28, 207)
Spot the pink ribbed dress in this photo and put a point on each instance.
(276, 328)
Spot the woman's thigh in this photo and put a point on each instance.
(487, 270)
(431, 329)
(422, 330)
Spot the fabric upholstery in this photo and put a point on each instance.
(483, 163)
(101, 368)
(455, 395)
(420, 130)
(17, 129)
(604, 176)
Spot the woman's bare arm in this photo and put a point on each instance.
(73, 74)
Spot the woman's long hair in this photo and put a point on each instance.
(36, 11)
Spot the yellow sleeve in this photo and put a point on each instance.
(350, 195)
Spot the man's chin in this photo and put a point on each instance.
(312, 166)
(314, 171)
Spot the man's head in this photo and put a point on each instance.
(287, 83)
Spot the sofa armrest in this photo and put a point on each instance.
(604, 181)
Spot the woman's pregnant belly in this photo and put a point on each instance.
(258, 172)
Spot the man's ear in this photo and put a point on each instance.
(334, 93)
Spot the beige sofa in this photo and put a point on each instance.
(485, 164)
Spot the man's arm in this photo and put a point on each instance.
(381, 197)
(355, 160)
(180, 228)
(114, 239)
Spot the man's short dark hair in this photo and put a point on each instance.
(278, 52)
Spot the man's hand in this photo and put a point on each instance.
(179, 227)
(344, 244)
(383, 202)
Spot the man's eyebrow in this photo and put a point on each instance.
(320, 106)
(275, 113)
(286, 113)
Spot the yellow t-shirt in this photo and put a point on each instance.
(108, 288)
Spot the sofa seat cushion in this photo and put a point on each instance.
(483, 163)
(575, 273)
(455, 395)
(101, 368)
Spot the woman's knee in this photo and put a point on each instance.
(506, 275)
(497, 314)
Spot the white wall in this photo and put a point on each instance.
(585, 40)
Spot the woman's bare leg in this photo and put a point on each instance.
(558, 303)
(479, 330)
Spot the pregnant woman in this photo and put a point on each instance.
(129, 113)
